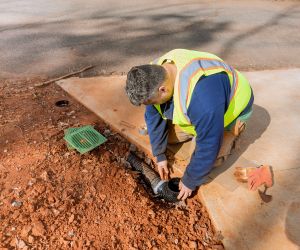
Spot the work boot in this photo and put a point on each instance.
(227, 145)
(238, 128)
(229, 142)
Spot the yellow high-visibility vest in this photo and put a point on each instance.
(191, 65)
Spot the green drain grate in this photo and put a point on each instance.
(70, 131)
(83, 139)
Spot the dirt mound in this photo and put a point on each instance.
(53, 198)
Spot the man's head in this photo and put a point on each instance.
(148, 84)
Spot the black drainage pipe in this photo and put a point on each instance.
(168, 190)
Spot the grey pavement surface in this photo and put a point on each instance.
(49, 38)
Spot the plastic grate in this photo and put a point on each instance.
(83, 139)
(70, 131)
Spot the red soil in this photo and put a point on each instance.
(53, 198)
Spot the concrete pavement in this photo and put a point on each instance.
(272, 137)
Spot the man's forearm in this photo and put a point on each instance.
(210, 131)
(158, 132)
(201, 164)
(210, 128)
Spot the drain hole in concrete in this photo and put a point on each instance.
(62, 103)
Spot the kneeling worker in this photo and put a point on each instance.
(190, 95)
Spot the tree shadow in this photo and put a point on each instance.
(105, 38)
(111, 38)
(230, 44)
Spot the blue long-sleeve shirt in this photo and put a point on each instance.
(210, 100)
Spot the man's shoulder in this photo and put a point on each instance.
(208, 93)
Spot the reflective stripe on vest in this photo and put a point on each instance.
(191, 66)
(155, 61)
(191, 69)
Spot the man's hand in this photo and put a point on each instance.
(163, 170)
(184, 191)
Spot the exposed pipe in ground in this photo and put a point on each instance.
(168, 190)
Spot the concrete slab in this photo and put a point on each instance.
(105, 96)
(272, 137)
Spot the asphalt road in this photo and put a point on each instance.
(52, 37)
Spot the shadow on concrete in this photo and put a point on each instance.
(292, 222)
(285, 191)
(256, 126)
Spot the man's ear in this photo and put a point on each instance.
(162, 89)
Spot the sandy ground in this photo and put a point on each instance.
(53, 198)
(52, 37)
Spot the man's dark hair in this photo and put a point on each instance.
(143, 81)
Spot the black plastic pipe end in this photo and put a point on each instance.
(168, 190)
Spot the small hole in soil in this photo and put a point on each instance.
(62, 103)
(174, 184)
